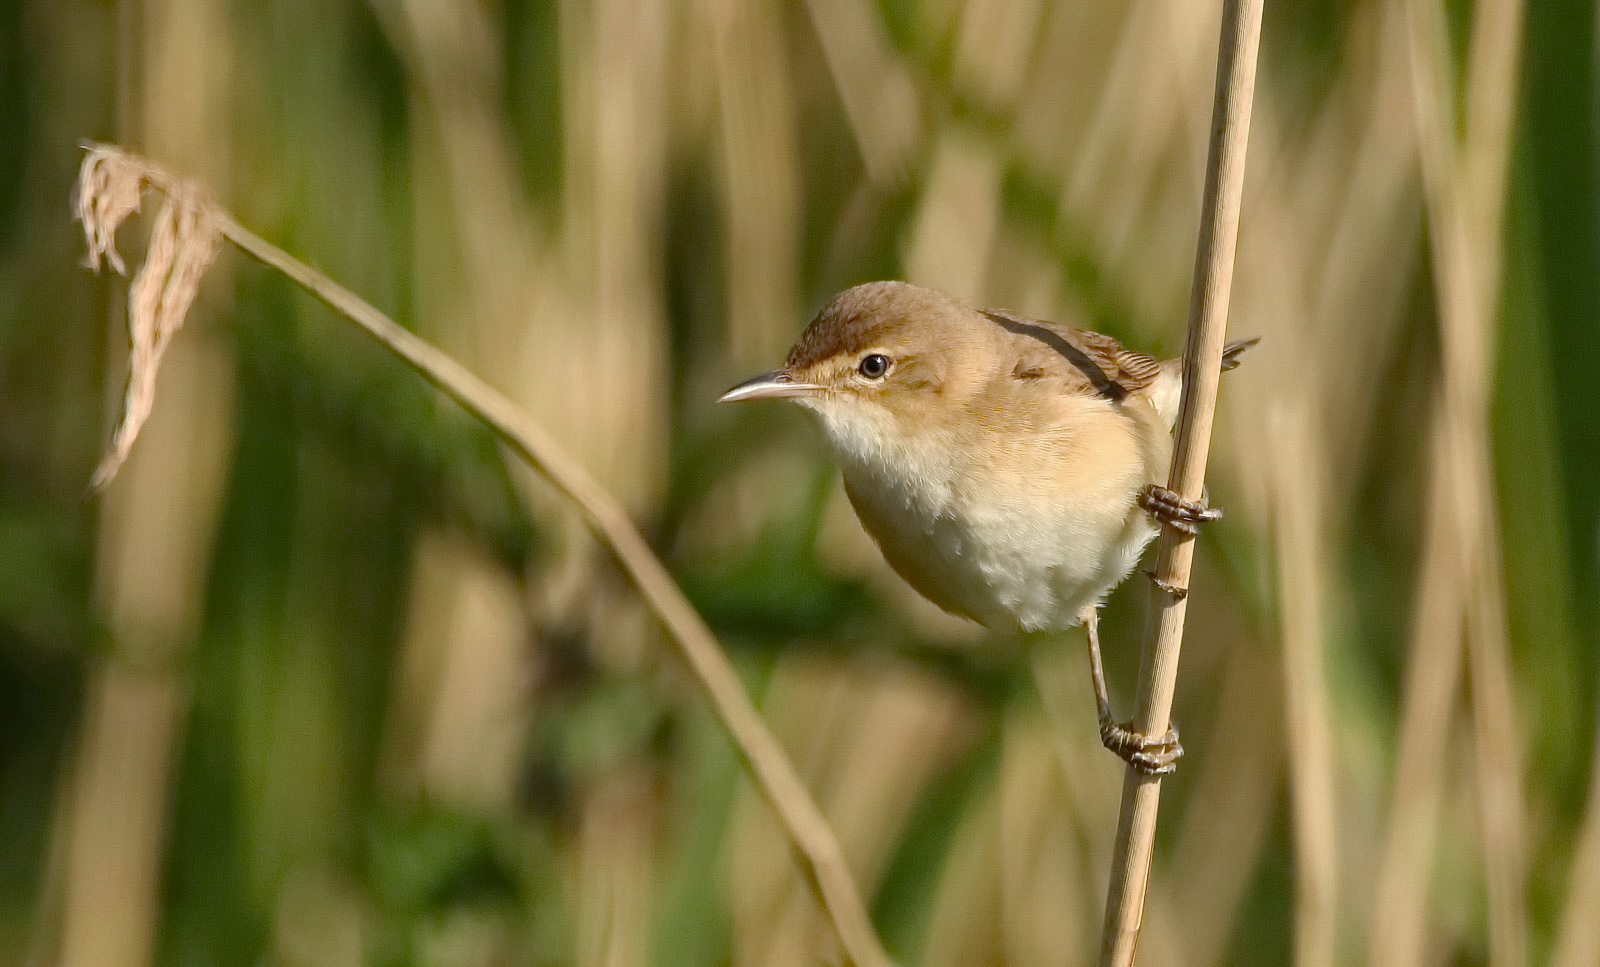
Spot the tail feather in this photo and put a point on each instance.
(1164, 393)
(1233, 350)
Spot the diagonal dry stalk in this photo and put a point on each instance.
(110, 187)
(1202, 364)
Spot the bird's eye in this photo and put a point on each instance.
(873, 366)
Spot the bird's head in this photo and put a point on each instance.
(880, 358)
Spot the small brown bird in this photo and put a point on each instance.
(1008, 468)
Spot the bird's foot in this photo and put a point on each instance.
(1184, 516)
(1151, 756)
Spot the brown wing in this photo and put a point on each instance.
(1086, 362)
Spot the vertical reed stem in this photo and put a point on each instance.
(1202, 361)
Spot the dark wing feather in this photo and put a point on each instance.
(1086, 362)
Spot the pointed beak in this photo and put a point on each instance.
(775, 385)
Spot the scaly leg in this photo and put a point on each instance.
(1152, 756)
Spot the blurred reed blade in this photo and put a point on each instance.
(1461, 617)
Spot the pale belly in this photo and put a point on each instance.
(1025, 567)
(1021, 531)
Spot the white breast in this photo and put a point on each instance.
(1018, 552)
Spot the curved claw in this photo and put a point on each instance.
(1184, 516)
(1151, 756)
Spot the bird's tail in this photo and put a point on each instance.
(1165, 394)
(1233, 350)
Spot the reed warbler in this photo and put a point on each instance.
(1009, 469)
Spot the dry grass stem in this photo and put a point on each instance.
(821, 857)
(1213, 279)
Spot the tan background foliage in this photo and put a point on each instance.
(321, 678)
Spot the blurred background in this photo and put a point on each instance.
(324, 679)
